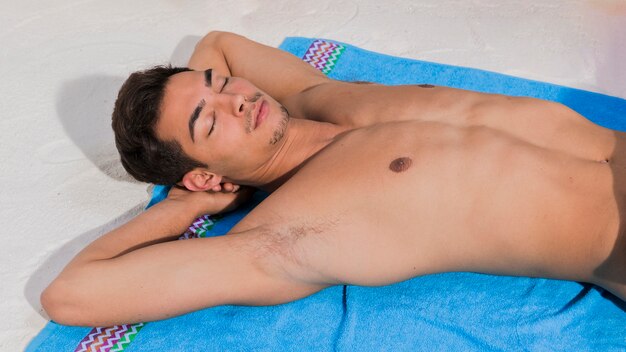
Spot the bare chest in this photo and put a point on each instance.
(434, 197)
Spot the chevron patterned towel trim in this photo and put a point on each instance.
(111, 339)
(199, 228)
(323, 55)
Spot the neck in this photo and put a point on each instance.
(302, 140)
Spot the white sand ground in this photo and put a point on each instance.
(62, 62)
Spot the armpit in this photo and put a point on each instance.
(286, 247)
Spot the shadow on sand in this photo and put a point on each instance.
(84, 106)
(181, 54)
(49, 270)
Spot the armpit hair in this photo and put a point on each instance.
(282, 243)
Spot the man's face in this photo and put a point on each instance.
(224, 122)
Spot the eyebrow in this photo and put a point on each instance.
(194, 117)
(207, 77)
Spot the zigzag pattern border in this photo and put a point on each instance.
(127, 338)
(109, 339)
(199, 227)
(323, 55)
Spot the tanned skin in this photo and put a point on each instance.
(370, 184)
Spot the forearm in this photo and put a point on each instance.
(163, 222)
(276, 72)
(209, 53)
(134, 272)
(92, 267)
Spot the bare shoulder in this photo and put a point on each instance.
(360, 104)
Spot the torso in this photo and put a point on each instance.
(490, 184)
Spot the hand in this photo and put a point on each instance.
(226, 187)
(219, 199)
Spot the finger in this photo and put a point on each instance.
(216, 188)
(228, 187)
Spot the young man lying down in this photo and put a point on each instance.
(370, 185)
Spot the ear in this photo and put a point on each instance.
(201, 180)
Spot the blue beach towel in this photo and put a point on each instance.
(452, 311)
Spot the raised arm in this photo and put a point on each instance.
(278, 73)
(136, 274)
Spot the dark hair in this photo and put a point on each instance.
(137, 110)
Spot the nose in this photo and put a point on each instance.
(235, 104)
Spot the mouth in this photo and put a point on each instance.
(261, 113)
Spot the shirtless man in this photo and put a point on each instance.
(371, 185)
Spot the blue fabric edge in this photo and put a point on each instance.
(288, 40)
(43, 335)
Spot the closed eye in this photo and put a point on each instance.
(225, 83)
(212, 124)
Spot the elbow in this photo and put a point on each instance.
(57, 303)
(217, 39)
(210, 39)
(214, 34)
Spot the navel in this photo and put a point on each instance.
(400, 164)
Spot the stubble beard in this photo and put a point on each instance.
(279, 132)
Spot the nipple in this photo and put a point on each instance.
(400, 164)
